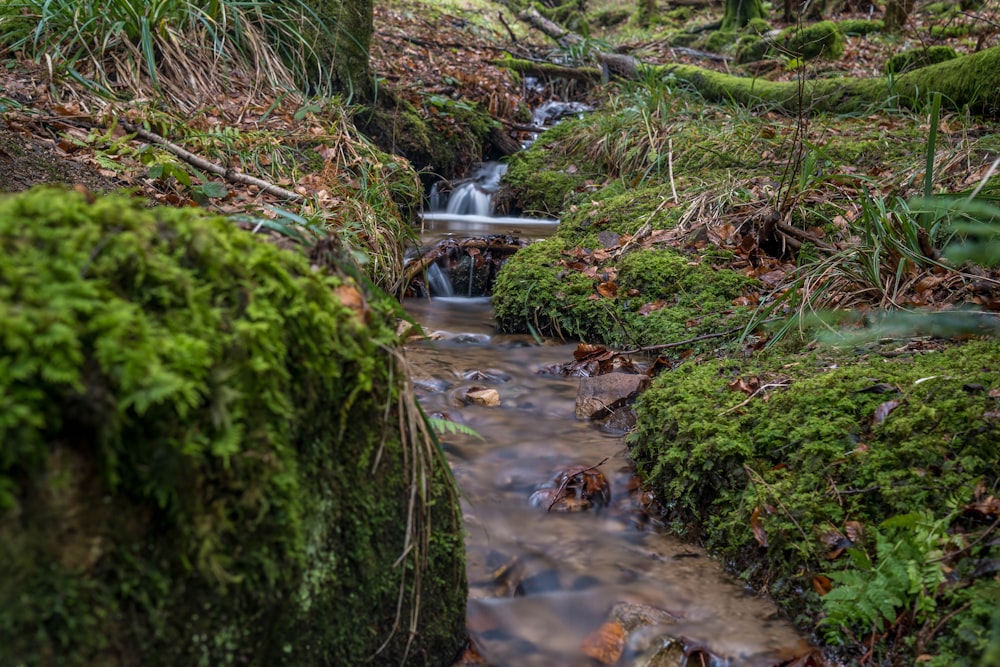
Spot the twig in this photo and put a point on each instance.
(202, 163)
(670, 168)
(510, 32)
(758, 390)
(968, 546)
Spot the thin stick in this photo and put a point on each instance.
(757, 479)
(670, 167)
(202, 163)
(758, 390)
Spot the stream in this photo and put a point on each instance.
(544, 585)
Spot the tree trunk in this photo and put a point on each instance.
(972, 81)
(341, 47)
(737, 13)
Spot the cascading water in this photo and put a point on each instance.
(544, 585)
(452, 263)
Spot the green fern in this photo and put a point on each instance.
(906, 573)
(448, 427)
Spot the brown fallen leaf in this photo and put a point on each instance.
(822, 584)
(855, 531)
(883, 410)
(606, 643)
(758, 528)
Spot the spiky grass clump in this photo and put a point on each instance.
(186, 50)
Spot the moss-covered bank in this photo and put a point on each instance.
(602, 278)
(202, 460)
(793, 484)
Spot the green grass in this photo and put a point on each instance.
(183, 49)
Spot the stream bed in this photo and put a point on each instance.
(545, 585)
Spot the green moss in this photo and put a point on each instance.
(750, 49)
(861, 26)
(916, 58)
(812, 41)
(540, 181)
(546, 286)
(718, 41)
(195, 466)
(815, 455)
(757, 26)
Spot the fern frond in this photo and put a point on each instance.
(448, 427)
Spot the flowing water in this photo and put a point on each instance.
(543, 582)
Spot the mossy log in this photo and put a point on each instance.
(207, 453)
(972, 81)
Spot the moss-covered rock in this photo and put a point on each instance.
(825, 440)
(590, 282)
(812, 41)
(861, 26)
(196, 467)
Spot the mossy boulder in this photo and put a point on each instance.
(812, 41)
(541, 181)
(591, 281)
(779, 461)
(197, 468)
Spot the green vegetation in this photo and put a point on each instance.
(866, 469)
(197, 466)
(829, 445)
(183, 50)
(916, 58)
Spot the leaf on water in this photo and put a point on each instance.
(606, 643)
(758, 528)
(883, 410)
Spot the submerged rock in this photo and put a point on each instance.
(196, 466)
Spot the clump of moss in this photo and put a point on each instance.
(834, 438)
(861, 26)
(812, 41)
(916, 58)
(588, 282)
(195, 466)
(719, 41)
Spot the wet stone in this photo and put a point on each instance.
(601, 395)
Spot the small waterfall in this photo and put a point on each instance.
(473, 195)
(437, 282)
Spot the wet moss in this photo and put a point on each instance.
(814, 451)
(196, 468)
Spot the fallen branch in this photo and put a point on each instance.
(203, 164)
(420, 265)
